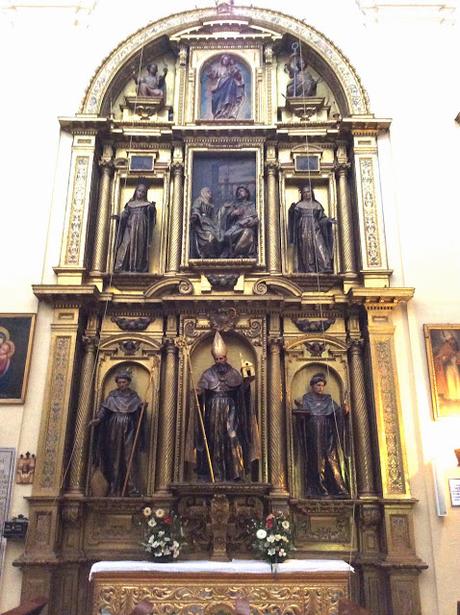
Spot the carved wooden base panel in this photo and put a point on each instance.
(299, 594)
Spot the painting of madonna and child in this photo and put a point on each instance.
(443, 354)
(224, 223)
(225, 82)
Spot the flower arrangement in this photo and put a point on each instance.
(163, 535)
(272, 537)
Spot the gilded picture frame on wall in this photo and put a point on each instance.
(16, 335)
(443, 355)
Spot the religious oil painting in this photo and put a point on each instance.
(443, 355)
(224, 222)
(225, 89)
(16, 334)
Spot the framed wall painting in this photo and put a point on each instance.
(443, 356)
(16, 335)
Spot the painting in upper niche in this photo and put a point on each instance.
(223, 221)
(225, 89)
(443, 353)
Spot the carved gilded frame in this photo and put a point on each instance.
(224, 145)
(25, 350)
(298, 358)
(288, 177)
(443, 357)
(159, 176)
(251, 330)
(146, 356)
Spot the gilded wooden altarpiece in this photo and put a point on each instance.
(289, 323)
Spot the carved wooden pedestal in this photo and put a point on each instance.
(300, 587)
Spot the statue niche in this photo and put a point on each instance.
(310, 232)
(134, 232)
(226, 444)
(120, 434)
(225, 82)
(321, 433)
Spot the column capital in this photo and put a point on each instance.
(106, 164)
(90, 342)
(342, 168)
(271, 167)
(177, 167)
(275, 343)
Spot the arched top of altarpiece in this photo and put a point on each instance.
(340, 72)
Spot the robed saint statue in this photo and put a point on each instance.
(230, 433)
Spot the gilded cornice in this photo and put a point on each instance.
(381, 298)
(74, 294)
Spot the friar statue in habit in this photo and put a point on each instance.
(116, 449)
(229, 419)
(321, 431)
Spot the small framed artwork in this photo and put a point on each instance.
(141, 162)
(454, 488)
(306, 163)
(443, 356)
(16, 335)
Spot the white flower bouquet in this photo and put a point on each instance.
(272, 537)
(163, 534)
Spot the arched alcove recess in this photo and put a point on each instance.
(324, 56)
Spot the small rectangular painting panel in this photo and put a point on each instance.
(307, 163)
(16, 335)
(141, 163)
(443, 356)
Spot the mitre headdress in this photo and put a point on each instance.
(219, 349)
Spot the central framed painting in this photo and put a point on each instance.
(223, 215)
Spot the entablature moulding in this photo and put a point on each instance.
(277, 296)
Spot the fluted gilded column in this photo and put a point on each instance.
(277, 449)
(273, 221)
(103, 211)
(347, 247)
(175, 218)
(360, 420)
(77, 468)
(165, 462)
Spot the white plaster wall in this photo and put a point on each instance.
(406, 55)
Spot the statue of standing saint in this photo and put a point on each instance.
(115, 450)
(229, 421)
(310, 230)
(321, 430)
(134, 230)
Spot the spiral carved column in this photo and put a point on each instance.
(175, 220)
(277, 456)
(167, 418)
(347, 250)
(273, 222)
(77, 468)
(103, 210)
(361, 428)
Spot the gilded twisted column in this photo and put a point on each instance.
(77, 468)
(167, 425)
(175, 218)
(103, 210)
(360, 421)
(273, 222)
(347, 249)
(277, 459)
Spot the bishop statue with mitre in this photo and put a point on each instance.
(229, 420)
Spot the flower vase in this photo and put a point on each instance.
(163, 559)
